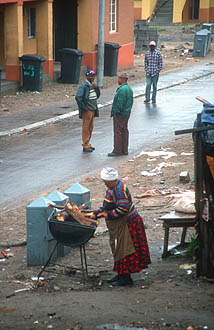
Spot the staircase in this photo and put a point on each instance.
(163, 13)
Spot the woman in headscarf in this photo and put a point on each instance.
(126, 229)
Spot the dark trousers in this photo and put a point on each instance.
(121, 134)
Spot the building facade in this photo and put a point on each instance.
(184, 11)
(43, 27)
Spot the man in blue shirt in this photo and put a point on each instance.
(153, 65)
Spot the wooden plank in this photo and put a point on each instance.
(194, 130)
(177, 215)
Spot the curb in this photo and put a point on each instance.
(28, 128)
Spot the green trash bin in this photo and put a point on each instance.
(32, 72)
(70, 65)
(111, 51)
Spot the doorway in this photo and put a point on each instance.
(64, 26)
(195, 9)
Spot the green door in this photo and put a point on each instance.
(64, 25)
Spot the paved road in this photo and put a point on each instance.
(33, 163)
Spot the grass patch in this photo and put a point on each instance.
(193, 244)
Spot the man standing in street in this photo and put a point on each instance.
(86, 99)
(153, 65)
(121, 110)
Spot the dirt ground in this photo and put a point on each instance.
(167, 295)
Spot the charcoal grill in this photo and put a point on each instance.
(73, 234)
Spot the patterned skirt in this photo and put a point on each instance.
(139, 260)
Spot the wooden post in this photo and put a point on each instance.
(204, 266)
(198, 170)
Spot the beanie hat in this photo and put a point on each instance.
(109, 174)
(152, 43)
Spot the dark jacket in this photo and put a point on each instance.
(82, 96)
(123, 101)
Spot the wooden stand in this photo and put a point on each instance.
(176, 219)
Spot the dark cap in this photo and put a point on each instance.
(90, 73)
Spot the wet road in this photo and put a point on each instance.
(31, 164)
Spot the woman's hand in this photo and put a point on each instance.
(102, 215)
(93, 216)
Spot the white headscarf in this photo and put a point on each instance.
(109, 174)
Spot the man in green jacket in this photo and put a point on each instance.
(121, 110)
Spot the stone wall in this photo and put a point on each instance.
(143, 35)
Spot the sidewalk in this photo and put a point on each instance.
(27, 120)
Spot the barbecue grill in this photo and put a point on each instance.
(70, 233)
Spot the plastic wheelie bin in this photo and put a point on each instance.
(70, 65)
(201, 43)
(111, 51)
(32, 72)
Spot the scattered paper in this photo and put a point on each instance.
(161, 153)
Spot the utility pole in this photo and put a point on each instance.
(100, 52)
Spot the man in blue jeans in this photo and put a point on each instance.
(153, 65)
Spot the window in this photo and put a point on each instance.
(113, 15)
(32, 22)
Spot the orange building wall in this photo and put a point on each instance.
(123, 36)
(204, 15)
(87, 28)
(12, 26)
(211, 14)
(18, 42)
(137, 13)
(2, 41)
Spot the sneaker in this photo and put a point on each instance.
(92, 148)
(125, 153)
(113, 154)
(146, 101)
(87, 150)
(153, 101)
